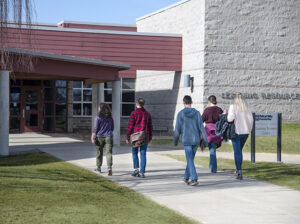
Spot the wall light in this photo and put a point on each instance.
(189, 82)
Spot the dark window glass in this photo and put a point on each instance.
(76, 94)
(48, 109)
(48, 83)
(16, 82)
(32, 82)
(14, 108)
(14, 124)
(108, 85)
(48, 124)
(128, 96)
(87, 95)
(127, 109)
(77, 84)
(31, 119)
(48, 94)
(61, 94)
(128, 84)
(107, 95)
(87, 109)
(15, 94)
(61, 109)
(60, 83)
(87, 86)
(61, 124)
(31, 98)
(77, 109)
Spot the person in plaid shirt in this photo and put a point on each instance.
(139, 120)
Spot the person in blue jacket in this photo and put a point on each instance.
(189, 128)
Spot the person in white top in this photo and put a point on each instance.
(243, 122)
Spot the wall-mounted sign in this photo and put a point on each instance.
(265, 96)
(266, 124)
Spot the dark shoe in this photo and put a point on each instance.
(239, 176)
(186, 181)
(194, 182)
(109, 173)
(213, 171)
(142, 175)
(136, 173)
(98, 170)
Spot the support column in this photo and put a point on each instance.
(4, 112)
(116, 110)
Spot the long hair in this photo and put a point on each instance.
(239, 102)
(105, 111)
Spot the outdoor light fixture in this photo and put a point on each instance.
(189, 82)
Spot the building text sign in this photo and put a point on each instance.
(266, 124)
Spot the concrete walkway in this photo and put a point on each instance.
(218, 198)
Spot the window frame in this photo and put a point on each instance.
(82, 88)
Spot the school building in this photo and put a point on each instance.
(216, 47)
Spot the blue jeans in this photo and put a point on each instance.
(190, 171)
(135, 157)
(212, 157)
(238, 144)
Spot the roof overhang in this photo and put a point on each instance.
(55, 66)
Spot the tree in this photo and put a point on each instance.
(19, 14)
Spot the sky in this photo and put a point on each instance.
(97, 11)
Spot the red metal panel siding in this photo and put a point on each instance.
(141, 52)
(98, 27)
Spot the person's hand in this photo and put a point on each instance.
(149, 142)
(225, 111)
(93, 141)
(127, 142)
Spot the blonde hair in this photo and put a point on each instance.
(239, 103)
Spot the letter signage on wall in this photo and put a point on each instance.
(266, 125)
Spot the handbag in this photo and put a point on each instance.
(138, 139)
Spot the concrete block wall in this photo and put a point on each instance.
(164, 91)
(253, 47)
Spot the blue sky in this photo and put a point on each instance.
(106, 11)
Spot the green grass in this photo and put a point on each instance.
(287, 175)
(38, 188)
(290, 142)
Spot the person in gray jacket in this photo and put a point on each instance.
(189, 128)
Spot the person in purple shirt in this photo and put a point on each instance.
(102, 136)
(210, 116)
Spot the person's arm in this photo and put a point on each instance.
(202, 129)
(131, 123)
(113, 125)
(231, 114)
(95, 130)
(177, 131)
(204, 116)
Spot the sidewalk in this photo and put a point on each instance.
(218, 198)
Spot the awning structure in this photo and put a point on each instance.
(48, 66)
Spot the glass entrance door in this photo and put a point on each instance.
(31, 117)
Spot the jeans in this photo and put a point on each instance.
(238, 144)
(135, 157)
(212, 157)
(107, 145)
(190, 171)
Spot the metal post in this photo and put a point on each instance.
(279, 128)
(253, 140)
(4, 111)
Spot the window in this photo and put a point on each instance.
(82, 99)
(127, 95)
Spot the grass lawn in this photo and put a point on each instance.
(290, 142)
(38, 188)
(287, 175)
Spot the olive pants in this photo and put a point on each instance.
(105, 144)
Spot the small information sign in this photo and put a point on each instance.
(266, 125)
